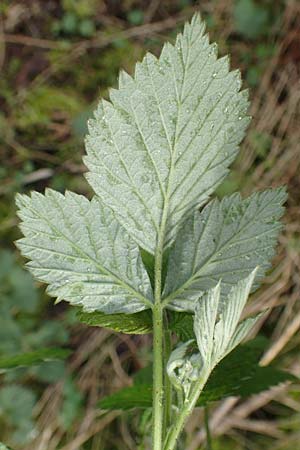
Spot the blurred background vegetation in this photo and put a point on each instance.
(57, 58)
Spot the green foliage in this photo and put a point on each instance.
(82, 8)
(138, 396)
(218, 332)
(164, 142)
(73, 25)
(227, 240)
(83, 253)
(251, 18)
(18, 306)
(261, 143)
(149, 262)
(182, 325)
(135, 17)
(59, 222)
(16, 287)
(138, 323)
(238, 374)
(16, 407)
(77, 18)
(72, 403)
(42, 103)
(23, 356)
(216, 324)
(156, 151)
(33, 358)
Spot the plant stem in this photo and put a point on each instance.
(158, 387)
(167, 384)
(158, 337)
(188, 406)
(158, 363)
(207, 429)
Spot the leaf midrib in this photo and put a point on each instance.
(173, 152)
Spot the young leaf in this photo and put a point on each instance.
(33, 358)
(238, 374)
(206, 311)
(164, 142)
(216, 322)
(225, 241)
(228, 333)
(81, 251)
(242, 331)
(181, 369)
(138, 323)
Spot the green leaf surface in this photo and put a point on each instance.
(227, 240)
(238, 383)
(80, 250)
(182, 324)
(238, 374)
(165, 140)
(138, 396)
(33, 358)
(143, 376)
(149, 262)
(138, 323)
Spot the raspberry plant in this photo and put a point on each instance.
(151, 251)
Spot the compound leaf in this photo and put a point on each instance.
(227, 240)
(165, 140)
(79, 248)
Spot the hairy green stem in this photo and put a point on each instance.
(188, 407)
(158, 363)
(167, 384)
(158, 386)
